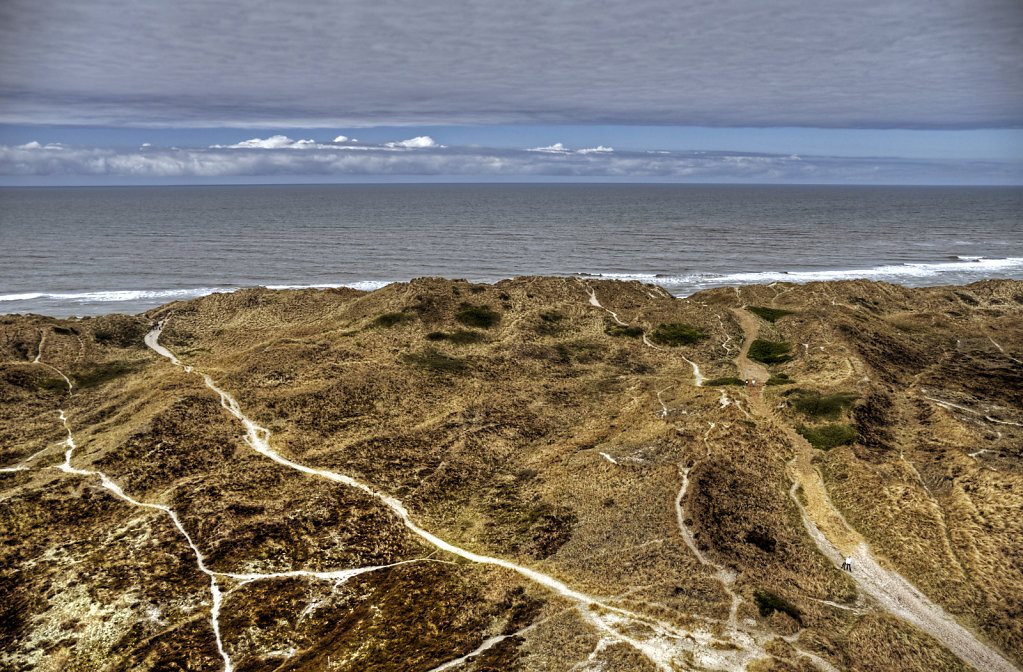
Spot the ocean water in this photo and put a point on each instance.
(90, 251)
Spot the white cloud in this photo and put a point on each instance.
(420, 142)
(600, 149)
(556, 148)
(341, 138)
(49, 164)
(273, 142)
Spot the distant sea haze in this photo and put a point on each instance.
(91, 251)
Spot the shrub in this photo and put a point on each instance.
(813, 404)
(768, 603)
(677, 334)
(432, 360)
(97, 374)
(769, 314)
(459, 337)
(550, 323)
(477, 316)
(623, 331)
(581, 351)
(727, 380)
(551, 316)
(826, 437)
(780, 379)
(769, 352)
(388, 320)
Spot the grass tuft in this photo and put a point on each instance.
(769, 352)
(812, 403)
(768, 603)
(623, 331)
(826, 437)
(676, 334)
(727, 380)
(481, 317)
(769, 314)
(388, 320)
(433, 360)
(780, 379)
(458, 337)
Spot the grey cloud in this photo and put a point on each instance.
(833, 63)
(282, 157)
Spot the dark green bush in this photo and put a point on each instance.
(676, 334)
(551, 316)
(727, 380)
(768, 603)
(388, 320)
(550, 323)
(433, 360)
(97, 374)
(780, 379)
(813, 404)
(826, 437)
(458, 337)
(481, 317)
(769, 314)
(623, 331)
(769, 352)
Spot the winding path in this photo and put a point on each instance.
(665, 645)
(837, 540)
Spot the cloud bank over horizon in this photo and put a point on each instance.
(281, 158)
(829, 64)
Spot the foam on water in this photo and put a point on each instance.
(135, 249)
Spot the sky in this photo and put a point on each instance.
(762, 91)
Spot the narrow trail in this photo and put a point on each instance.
(23, 465)
(698, 377)
(217, 595)
(664, 644)
(837, 540)
(113, 487)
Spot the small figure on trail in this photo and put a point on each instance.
(847, 565)
(753, 382)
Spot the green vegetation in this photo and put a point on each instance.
(481, 317)
(66, 331)
(388, 320)
(458, 337)
(433, 360)
(769, 314)
(581, 351)
(102, 373)
(727, 380)
(813, 404)
(623, 331)
(50, 384)
(676, 334)
(780, 379)
(768, 603)
(550, 323)
(769, 352)
(826, 437)
(551, 316)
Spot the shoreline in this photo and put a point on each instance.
(147, 300)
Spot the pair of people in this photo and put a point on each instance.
(847, 565)
(751, 382)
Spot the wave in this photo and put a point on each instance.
(973, 266)
(114, 296)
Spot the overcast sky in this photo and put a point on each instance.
(897, 91)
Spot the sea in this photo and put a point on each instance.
(95, 250)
